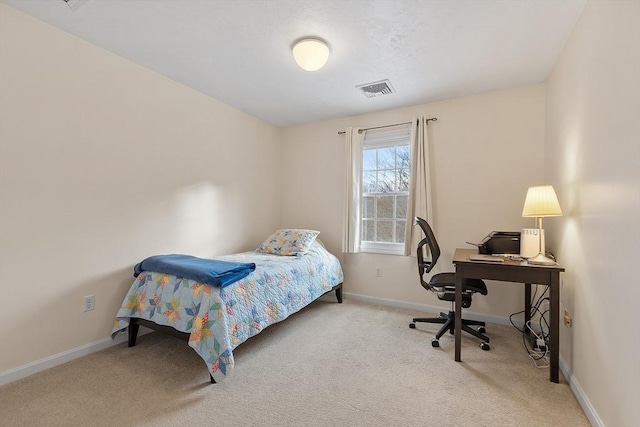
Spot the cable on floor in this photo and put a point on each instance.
(540, 357)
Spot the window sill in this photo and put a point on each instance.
(382, 248)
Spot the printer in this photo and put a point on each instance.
(500, 243)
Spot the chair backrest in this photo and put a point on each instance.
(425, 265)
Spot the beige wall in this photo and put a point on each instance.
(592, 157)
(104, 163)
(486, 151)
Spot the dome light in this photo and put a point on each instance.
(310, 54)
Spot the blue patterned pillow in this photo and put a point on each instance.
(289, 242)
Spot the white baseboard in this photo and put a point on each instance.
(500, 320)
(23, 371)
(580, 395)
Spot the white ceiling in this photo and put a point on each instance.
(239, 52)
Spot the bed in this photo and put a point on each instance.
(215, 320)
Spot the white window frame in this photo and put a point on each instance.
(383, 138)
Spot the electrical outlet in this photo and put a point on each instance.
(568, 321)
(89, 303)
(378, 271)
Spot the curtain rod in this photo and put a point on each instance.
(433, 119)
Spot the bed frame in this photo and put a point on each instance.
(135, 324)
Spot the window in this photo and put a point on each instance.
(385, 190)
(387, 181)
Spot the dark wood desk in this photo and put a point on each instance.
(512, 271)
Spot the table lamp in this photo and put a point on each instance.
(541, 201)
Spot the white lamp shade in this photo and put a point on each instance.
(310, 54)
(541, 201)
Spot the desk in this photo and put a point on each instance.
(512, 271)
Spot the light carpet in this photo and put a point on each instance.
(350, 364)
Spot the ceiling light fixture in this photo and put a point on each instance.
(310, 53)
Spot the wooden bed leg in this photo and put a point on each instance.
(133, 332)
(339, 293)
(212, 380)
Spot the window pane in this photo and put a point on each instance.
(401, 207)
(399, 181)
(402, 156)
(368, 230)
(368, 207)
(385, 207)
(386, 182)
(368, 182)
(369, 159)
(403, 180)
(386, 158)
(385, 231)
(400, 228)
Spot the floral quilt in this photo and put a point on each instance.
(220, 319)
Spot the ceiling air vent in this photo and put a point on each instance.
(371, 90)
(74, 4)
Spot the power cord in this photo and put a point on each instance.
(538, 353)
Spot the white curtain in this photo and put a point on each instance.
(419, 203)
(353, 187)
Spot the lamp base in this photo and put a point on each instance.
(540, 259)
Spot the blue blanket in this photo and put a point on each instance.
(210, 271)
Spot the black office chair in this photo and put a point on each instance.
(444, 286)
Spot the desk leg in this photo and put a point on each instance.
(527, 306)
(458, 314)
(554, 345)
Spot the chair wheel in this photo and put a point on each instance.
(412, 325)
(485, 346)
(435, 343)
(482, 330)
